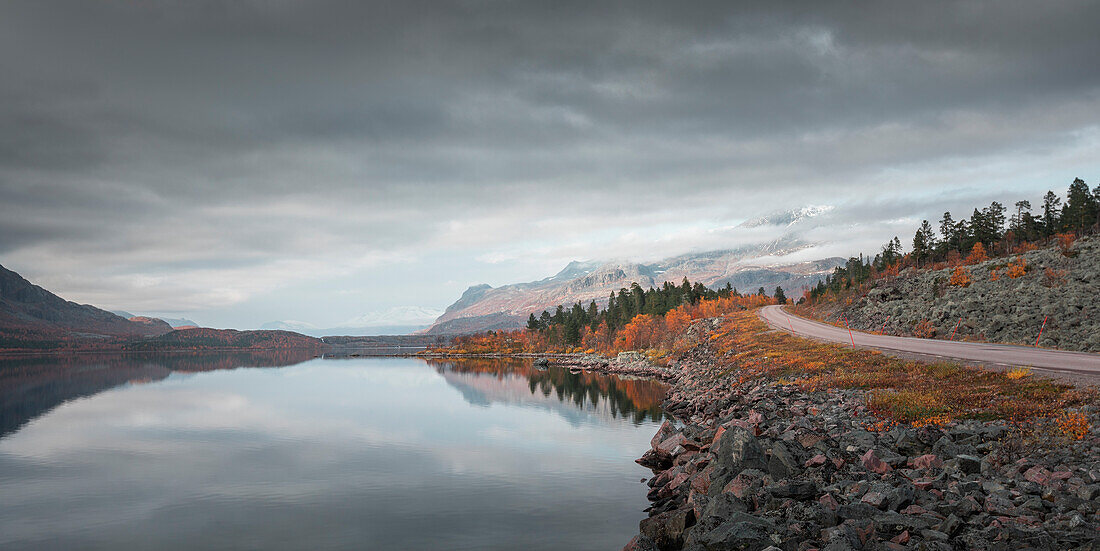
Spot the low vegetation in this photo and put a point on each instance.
(899, 390)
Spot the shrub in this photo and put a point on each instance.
(1017, 269)
(1073, 425)
(924, 330)
(960, 277)
(1054, 278)
(1018, 373)
(1065, 241)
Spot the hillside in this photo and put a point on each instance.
(202, 338)
(1056, 284)
(30, 312)
(483, 307)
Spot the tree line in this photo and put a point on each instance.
(990, 230)
(623, 307)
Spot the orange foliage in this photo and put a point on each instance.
(1016, 269)
(960, 277)
(1054, 278)
(1073, 425)
(924, 330)
(1065, 241)
(977, 254)
(903, 391)
(677, 320)
(642, 332)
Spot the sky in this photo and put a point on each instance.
(243, 162)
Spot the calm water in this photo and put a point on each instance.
(210, 451)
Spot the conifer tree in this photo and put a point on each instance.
(1052, 213)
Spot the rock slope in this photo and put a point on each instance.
(771, 467)
(1063, 287)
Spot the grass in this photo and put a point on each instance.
(898, 390)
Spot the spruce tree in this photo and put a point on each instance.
(1052, 214)
(780, 297)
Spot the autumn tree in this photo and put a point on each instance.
(977, 254)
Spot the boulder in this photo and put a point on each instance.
(872, 463)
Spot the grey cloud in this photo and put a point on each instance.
(182, 135)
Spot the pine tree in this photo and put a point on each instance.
(1052, 213)
(1080, 211)
(780, 297)
(532, 323)
(949, 231)
(924, 242)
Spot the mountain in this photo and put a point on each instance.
(399, 320)
(289, 325)
(29, 312)
(173, 322)
(483, 307)
(786, 218)
(202, 338)
(398, 315)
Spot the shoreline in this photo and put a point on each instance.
(767, 466)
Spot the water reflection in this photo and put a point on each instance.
(628, 397)
(351, 454)
(33, 385)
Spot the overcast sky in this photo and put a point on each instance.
(242, 162)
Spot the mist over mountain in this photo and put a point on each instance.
(747, 268)
(398, 320)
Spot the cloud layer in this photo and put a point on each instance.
(251, 161)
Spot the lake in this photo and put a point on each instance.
(280, 450)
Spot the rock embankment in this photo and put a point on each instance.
(763, 465)
(1059, 286)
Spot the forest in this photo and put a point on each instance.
(989, 232)
(633, 319)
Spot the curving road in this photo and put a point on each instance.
(1076, 366)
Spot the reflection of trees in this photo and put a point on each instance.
(636, 399)
(32, 386)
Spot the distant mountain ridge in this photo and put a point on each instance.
(32, 318)
(483, 307)
(398, 320)
(28, 309)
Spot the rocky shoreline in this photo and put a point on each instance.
(767, 466)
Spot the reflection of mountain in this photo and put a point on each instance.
(32, 386)
(487, 381)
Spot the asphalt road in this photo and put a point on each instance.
(1074, 366)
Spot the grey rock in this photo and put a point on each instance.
(794, 489)
(740, 531)
(969, 464)
(738, 450)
